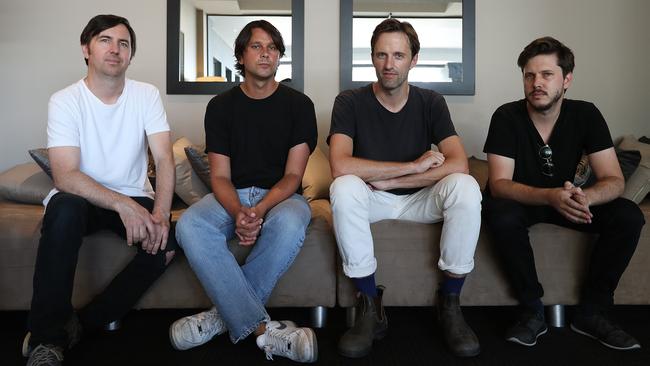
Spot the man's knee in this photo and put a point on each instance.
(348, 187)
(461, 189)
(502, 215)
(627, 215)
(66, 209)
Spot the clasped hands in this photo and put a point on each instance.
(248, 224)
(149, 229)
(572, 203)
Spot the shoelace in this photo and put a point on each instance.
(276, 341)
(206, 321)
(46, 355)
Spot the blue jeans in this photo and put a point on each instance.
(240, 292)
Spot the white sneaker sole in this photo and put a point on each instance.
(314, 342)
(635, 346)
(516, 340)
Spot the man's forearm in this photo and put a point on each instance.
(226, 194)
(519, 192)
(282, 190)
(165, 178)
(82, 185)
(605, 190)
(429, 177)
(371, 170)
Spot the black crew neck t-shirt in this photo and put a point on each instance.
(381, 135)
(257, 134)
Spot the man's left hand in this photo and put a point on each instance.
(157, 240)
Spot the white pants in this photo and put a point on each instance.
(455, 199)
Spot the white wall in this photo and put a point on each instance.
(39, 54)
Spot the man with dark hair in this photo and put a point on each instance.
(533, 148)
(384, 168)
(98, 131)
(259, 136)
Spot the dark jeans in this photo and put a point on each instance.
(618, 224)
(68, 218)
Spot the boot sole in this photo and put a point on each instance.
(471, 353)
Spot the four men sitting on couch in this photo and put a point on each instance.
(259, 136)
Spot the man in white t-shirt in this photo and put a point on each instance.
(98, 132)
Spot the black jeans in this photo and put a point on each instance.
(618, 224)
(68, 218)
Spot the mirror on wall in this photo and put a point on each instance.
(201, 36)
(446, 32)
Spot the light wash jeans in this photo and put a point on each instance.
(240, 292)
(455, 199)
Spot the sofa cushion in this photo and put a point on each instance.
(638, 186)
(317, 178)
(479, 170)
(188, 184)
(26, 183)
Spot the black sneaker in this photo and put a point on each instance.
(528, 328)
(604, 330)
(72, 328)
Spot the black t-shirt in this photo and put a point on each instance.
(257, 134)
(580, 128)
(381, 135)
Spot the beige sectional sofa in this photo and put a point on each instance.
(406, 252)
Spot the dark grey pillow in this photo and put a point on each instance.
(199, 162)
(42, 158)
(628, 159)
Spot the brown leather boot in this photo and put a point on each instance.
(459, 337)
(370, 324)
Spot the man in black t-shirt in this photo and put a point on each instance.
(380, 153)
(533, 148)
(258, 138)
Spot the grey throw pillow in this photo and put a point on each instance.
(199, 162)
(42, 158)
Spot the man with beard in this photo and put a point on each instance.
(380, 153)
(533, 148)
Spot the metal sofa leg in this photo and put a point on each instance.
(555, 316)
(318, 316)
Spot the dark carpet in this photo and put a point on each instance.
(413, 339)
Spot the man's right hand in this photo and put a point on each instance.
(430, 159)
(138, 222)
(247, 225)
(571, 203)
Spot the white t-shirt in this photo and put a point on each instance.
(112, 138)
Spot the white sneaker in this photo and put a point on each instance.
(195, 330)
(283, 338)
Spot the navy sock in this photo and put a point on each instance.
(452, 285)
(366, 285)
